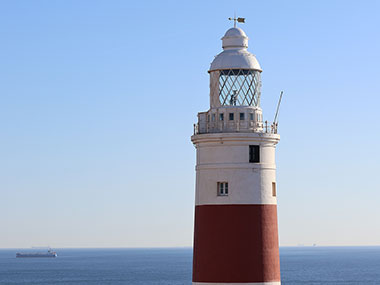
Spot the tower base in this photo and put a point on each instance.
(236, 244)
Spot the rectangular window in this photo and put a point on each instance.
(222, 188)
(213, 117)
(251, 116)
(241, 116)
(254, 153)
(221, 117)
(274, 193)
(208, 118)
(231, 116)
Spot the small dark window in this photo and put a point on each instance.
(222, 188)
(254, 153)
(221, 117)
(213, 117)
(274, 191)
(251, 116)
(231, 116)
(208, 118)
(241, 116)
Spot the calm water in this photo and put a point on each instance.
(299, 265)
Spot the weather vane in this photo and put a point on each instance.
(240, 20)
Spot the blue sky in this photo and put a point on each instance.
(98, 101)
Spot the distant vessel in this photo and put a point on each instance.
(49, 253)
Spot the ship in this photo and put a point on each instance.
(49, 253)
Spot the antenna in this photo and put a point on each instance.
(278, 108)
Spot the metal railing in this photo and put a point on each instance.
(220, 127)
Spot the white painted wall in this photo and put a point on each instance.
(224, 157)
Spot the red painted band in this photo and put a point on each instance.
(236, 243)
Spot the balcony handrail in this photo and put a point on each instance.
(219, 127)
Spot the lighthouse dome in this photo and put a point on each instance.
(235, 32)
(235, 37)
(235, 54)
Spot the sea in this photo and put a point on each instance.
(172, 266)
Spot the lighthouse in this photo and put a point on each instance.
(235, 230)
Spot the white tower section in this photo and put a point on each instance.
(235, 236)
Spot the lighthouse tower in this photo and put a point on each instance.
(235, 234)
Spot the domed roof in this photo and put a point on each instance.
(235, 32)
(235, 38)
(235, 59)
(235, 54)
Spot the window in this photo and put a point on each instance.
(222, 188)
(208, 118)
(241, 116)
(213, 117)
(274, 193)
(231, 116)
(239, 87)
(221, 117)
(254, 153)
(251, 116)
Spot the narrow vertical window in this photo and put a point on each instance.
(222, 188)
(274, 191)
(208, 118)
(254, 153)
(231, 116)
(251, 116)
(213, 117)
(241, 116)
(221, 117)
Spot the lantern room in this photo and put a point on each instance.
(235, 83)
(235, 73)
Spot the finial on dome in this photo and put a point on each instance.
(240, 20)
